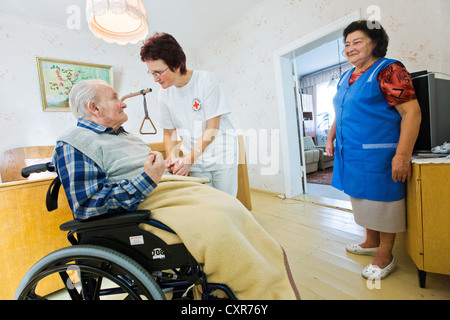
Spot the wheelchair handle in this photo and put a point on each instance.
(37, 168)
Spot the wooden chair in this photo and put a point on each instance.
(13, 161)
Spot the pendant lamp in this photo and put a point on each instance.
(335, 78)
(117, 21)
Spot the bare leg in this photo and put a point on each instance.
(384, 253)
(372, 239)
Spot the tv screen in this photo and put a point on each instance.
(433, 95)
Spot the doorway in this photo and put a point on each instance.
(318, 72)
(291, 130)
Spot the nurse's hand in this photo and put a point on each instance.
(182, 166)
(169, 164)
(401, 168)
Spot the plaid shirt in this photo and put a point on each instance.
(85, 183)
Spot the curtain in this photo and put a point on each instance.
(309, 85)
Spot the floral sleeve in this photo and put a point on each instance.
(396, 84)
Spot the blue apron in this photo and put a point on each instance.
(367, 134)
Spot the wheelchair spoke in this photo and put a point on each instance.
(97, 288)
(89, 287)
(92, 284)
(33, 296)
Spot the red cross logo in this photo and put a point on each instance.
(196, 105)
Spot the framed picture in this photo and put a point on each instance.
(57, 77)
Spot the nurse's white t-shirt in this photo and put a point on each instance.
(187, 109)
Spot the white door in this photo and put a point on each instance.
(289, 128)
(299, 109)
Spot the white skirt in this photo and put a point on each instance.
(382, 216)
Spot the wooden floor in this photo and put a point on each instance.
(314, 231)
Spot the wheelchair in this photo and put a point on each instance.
(110, 257)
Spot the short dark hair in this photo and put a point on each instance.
(164, 46)
(373, 30)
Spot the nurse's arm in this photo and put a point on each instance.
(169, 141)
(183, 165)
(212, 129)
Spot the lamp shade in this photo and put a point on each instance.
(118, 21)
(333, 82)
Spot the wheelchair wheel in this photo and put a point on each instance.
(86, 272)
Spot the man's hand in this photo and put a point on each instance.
(170, 164)
(154, 166)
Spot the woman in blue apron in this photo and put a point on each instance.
(376, 126)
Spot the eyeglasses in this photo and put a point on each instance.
(157, 73)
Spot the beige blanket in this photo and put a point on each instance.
(223, 235)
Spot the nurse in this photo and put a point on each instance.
(377, 123)
(192, 106)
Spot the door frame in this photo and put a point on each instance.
(291, 147)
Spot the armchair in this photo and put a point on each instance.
(324, 161)
(312, 155)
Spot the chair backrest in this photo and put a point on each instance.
(308, 143)
(13, 161)
(158, 146)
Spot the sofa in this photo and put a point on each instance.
(29, 231)
(316, 157)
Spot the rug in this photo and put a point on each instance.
(320, 176)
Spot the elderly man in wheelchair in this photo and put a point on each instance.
(140, 234)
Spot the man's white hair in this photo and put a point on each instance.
(81, 94)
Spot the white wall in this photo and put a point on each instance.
(242, 57)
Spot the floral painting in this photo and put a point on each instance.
(57, 77)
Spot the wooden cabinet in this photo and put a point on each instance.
(29, 231)
(428, 217)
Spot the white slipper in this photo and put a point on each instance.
(376, 273)
(356, 249)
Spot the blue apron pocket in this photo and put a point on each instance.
(378, 157)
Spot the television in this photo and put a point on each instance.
(433, 95)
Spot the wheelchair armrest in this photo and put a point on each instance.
(106, 220)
